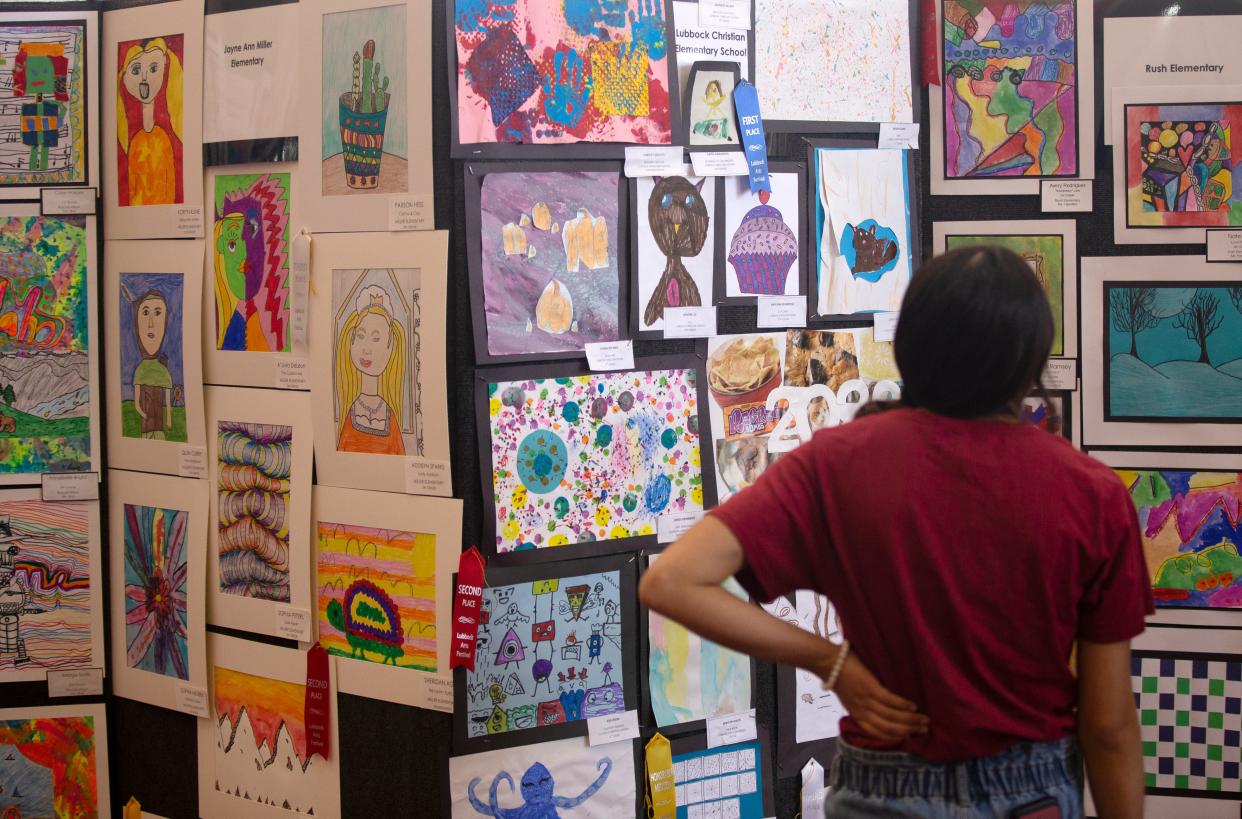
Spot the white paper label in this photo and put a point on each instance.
(293, 623)
(192, 699)
(719, 163)
(886, 326)
(427, 477)
(612, 728)
(1061, 374)
(1224, 245)
(898, 135)
(189, 222)
(291, 374)
(689, 322)
(437, 693)
(724, 13)
(192, 461)
(672, 525)
(68, 201)
(70, 486)
(299, 290)
(641, 160)
(1065, 195)
(410, 212)
(610, 355)
(781, 311)
(731, 729)
(75, 682)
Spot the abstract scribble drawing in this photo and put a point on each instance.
(149, 102)
(1010, 91)
(678, 219)
(255, 462)
(539, 799)
(156, 580)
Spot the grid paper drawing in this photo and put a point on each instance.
(719, 783)
(1190, 709)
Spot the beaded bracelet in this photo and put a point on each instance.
(831, 682)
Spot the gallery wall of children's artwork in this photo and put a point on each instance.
(300, 303)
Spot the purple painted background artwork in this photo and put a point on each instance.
(549, 260)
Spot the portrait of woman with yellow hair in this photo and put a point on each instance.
(149, 99)
(369, 374)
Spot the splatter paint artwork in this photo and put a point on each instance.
(549, 651)
(150, 98)
(152, 371)
(549, 260)
(377, 595)
(592, 457)
(45, 360)
(51, 766)
(537, 72)
(833, 60)
(253, 497)
(1010, 88)
(156, 590)
(1179, 165)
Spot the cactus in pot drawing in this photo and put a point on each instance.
(363, 116)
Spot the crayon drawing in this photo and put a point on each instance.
(149, 102)
(712, 119)
(249, 249)
(547, 73)
(45, 370)
(592, 457)
(549, 243)
(152, 371)
(364, 115)
(762, 236)
(377, 595)
(676, 245)
(43, 137)
(255, 462)
(549, 651)
(375, 365)
(156, 593)
(1173, 352)
(48, 768)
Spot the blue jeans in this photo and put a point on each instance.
(875, 784)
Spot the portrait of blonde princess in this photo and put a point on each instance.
(149, 101)
(369, 370)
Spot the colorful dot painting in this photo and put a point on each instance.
(592, 457)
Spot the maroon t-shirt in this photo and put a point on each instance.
(964, 558)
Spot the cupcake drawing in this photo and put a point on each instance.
(763, 250)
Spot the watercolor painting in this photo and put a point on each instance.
(1173, 352)
(43, 136)
(763, 236)
(1046, 256)
(592, 457)
(549, 265)
(261, 750)
(691, 678)
(566, 778)
(364, 114)
(1191, 522)
(1010, 88)
(150, 98)
(48, 767)
(156, 593)
(712, 118)
(862, 217)
(548, 651)
(249, 249)
(48, 597)
(1179, 165)
(152, 370)
(827, 61)
(45, 370)
(255, 468)
(722, 781)
(377, 595)
(375, 366)
(551, 73)
(676, 246)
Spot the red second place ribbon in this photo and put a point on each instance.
(317, 709)
(467, 608)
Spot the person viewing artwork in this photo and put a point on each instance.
(988, 577)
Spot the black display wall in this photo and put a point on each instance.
(393, 759)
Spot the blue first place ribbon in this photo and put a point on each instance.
(750, 121)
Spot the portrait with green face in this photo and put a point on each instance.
(47, 61)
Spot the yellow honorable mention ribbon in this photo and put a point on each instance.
(661, 793)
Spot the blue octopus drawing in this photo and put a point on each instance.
(539, 800)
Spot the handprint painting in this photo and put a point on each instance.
(562, 71)
(149, 101)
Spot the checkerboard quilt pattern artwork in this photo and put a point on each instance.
(1190, 710)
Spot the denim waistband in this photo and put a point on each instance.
(1021, 769)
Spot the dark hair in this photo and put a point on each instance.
(974, 333)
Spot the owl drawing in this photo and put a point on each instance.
(678, 219)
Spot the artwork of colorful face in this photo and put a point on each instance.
(371, 377)
(152, 313)
(150, 150)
